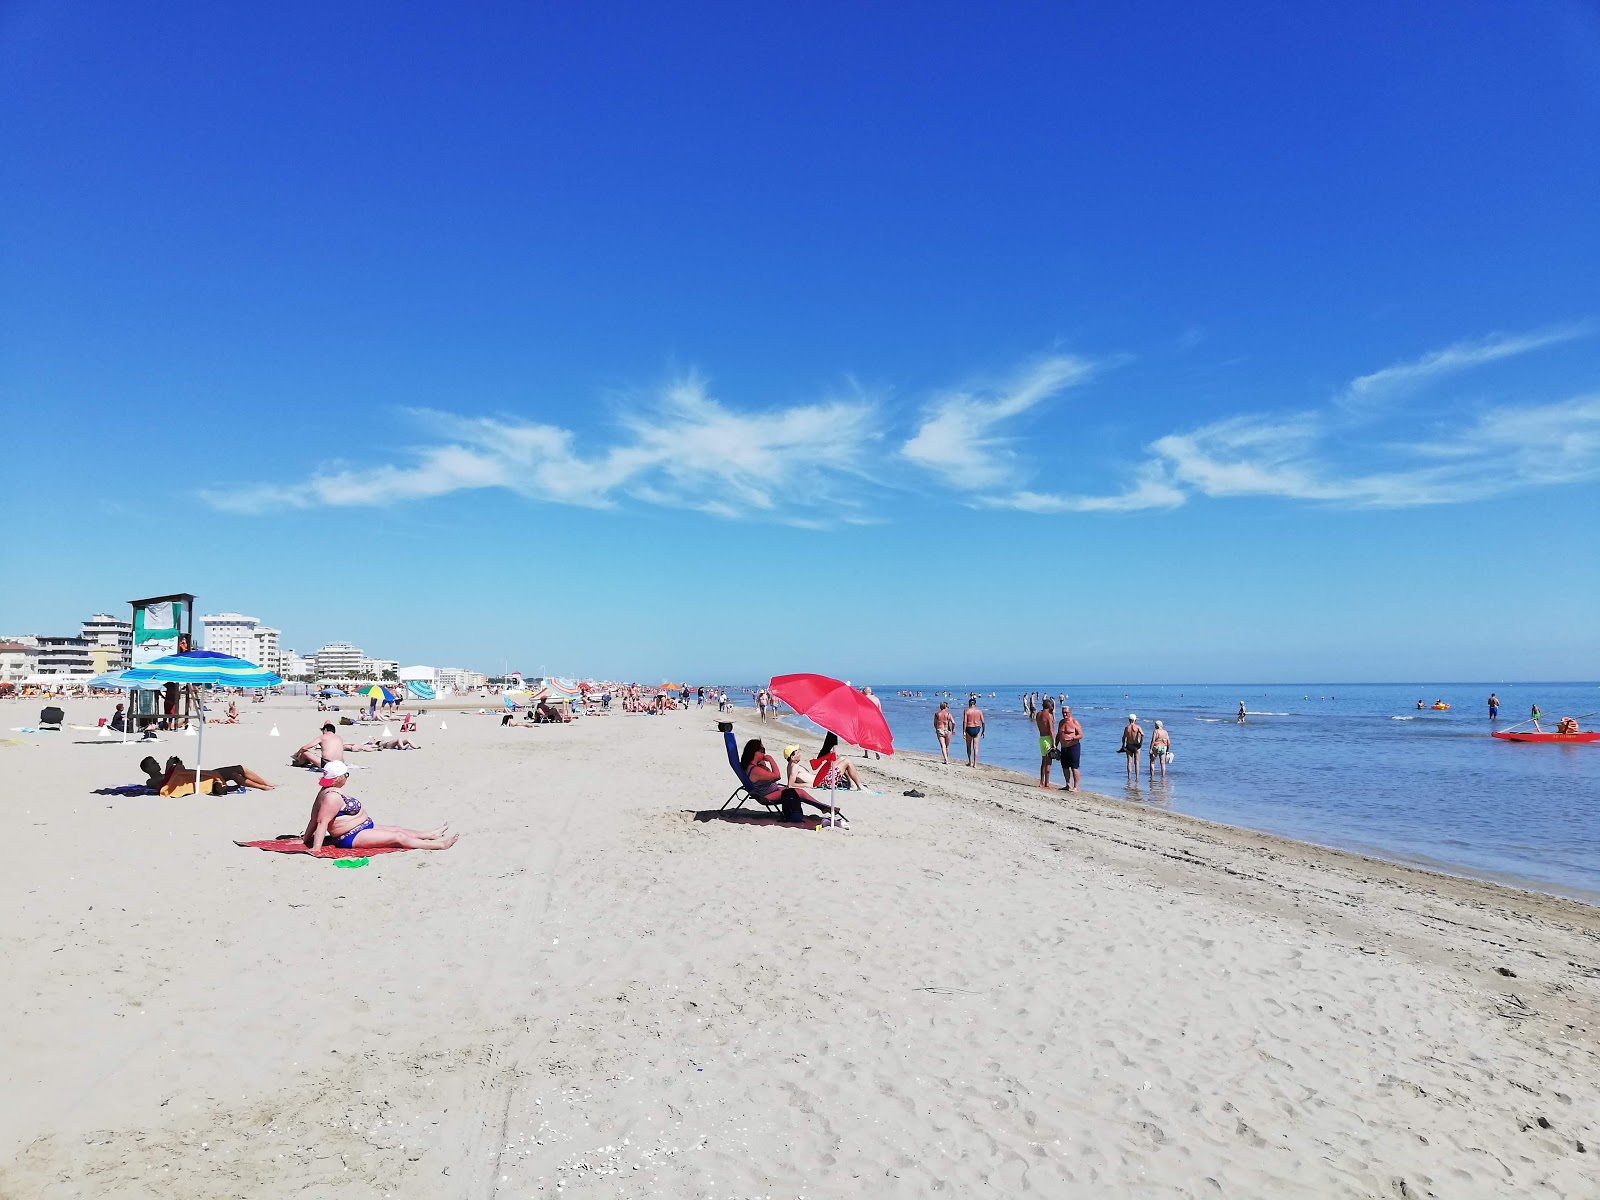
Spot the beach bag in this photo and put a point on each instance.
(793, 810)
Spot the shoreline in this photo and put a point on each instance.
(1376, 856)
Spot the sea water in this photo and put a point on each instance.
(1356, 766)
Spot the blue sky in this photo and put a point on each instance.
(1038, 342)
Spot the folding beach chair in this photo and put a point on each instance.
(51, 716)
(745, 792)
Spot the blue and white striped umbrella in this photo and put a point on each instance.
(205, 667)
(119, 681)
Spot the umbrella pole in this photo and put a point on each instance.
(200, 745)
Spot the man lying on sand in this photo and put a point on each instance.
(162, 779)
(338, 820)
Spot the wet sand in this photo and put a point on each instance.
(989, 989)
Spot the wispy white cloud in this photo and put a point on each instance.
(683, 449)
(1313, 456)
(1390, 383)
(959, 439)
(1151, 489)
(1500, 451)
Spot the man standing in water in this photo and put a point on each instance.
(1494, 707)
(1069, 745)
(1046, 723)
(973, 725)
(1132, 740)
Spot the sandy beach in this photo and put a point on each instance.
(988, 990)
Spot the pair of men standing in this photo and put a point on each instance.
(1062, 741)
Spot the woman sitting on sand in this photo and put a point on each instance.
(766, 781)
(830, 772)
(161, 778)
(338, 820)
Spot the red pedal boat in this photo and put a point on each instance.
(1517, 735)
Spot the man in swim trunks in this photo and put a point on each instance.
(1046, 724)
(974, 726)
(1132, 740)
(1494, 707)
(1069, 745)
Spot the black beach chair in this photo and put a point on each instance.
(51, 716)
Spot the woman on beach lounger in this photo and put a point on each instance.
(339, 820)
(161, 778)
(766, 781)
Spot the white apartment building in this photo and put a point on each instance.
(339, 660)
(294, 665)
(103, 629)
(17, 661)
(232, 633)
(267, 654)
(65, 656)
(379, 668)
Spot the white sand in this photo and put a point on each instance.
(981, 992)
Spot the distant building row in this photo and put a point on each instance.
(247, 638)
(104, 644)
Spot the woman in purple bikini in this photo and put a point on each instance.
(338, 820)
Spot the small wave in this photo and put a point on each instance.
(1402, 718)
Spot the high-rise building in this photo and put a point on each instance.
(266, 653)
(339, 660)
(233, 633)
(102, 629)
(64, 656)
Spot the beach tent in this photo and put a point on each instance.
(204, 668)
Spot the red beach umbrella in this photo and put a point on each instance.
(837, 707)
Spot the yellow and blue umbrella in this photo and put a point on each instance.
(377, 692)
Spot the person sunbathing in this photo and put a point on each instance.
(766, 781)
(338, 820)
(175, 773)
(830, 772)
(392, 743)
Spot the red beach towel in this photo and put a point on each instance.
(293, 845)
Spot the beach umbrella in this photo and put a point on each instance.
(837, 707)
(203, 668)
(378, 692)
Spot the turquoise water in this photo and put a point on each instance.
(1348, 765)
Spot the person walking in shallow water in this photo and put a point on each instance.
(973, 725)
(1494, 707)
(1069, 746)
(1132, 740)
(1046, 723)
(1160, 749)
(944, 727)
